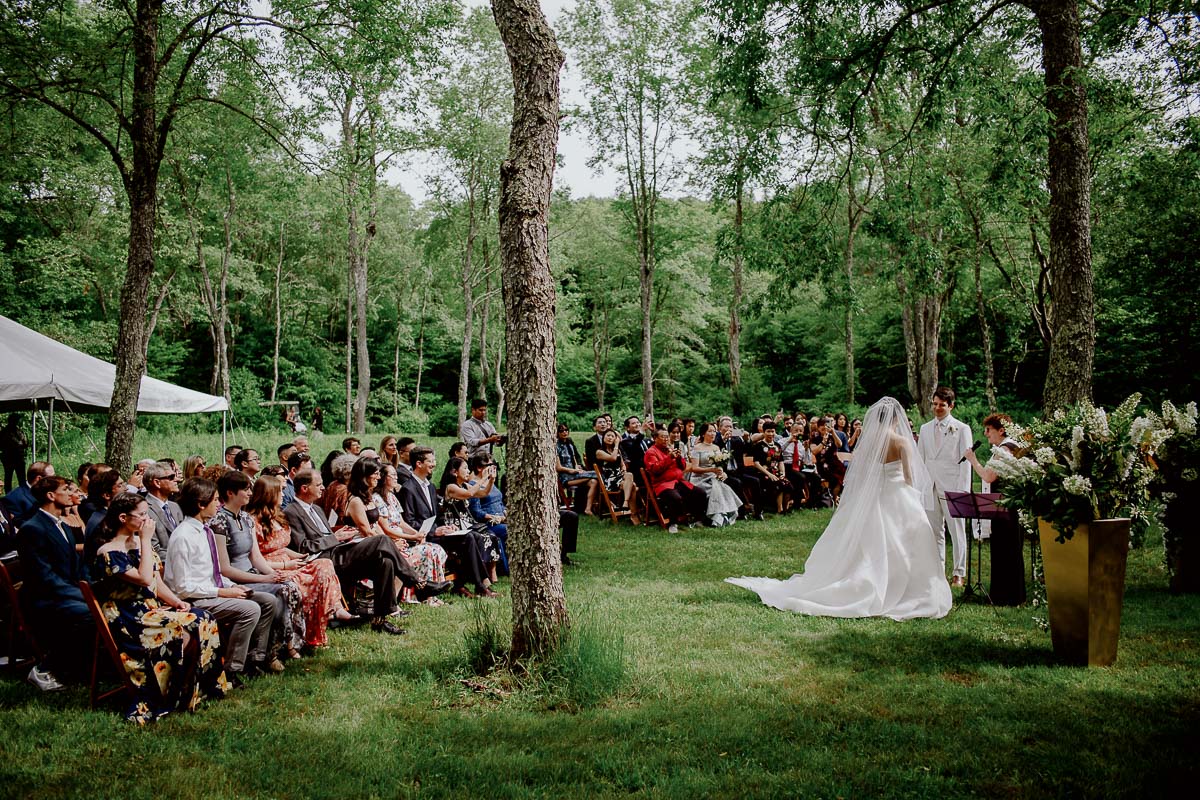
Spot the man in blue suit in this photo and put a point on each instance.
(20, 502)
(50, 596)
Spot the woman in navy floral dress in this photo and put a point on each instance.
(170, 650)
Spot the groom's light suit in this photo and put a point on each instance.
(941, 448)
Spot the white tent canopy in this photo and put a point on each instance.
(35, 370)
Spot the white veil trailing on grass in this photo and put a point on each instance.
(878, 556)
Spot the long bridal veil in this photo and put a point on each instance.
(878, 556)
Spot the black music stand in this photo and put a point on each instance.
(975, 505)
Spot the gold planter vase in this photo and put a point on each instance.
(1085, 585)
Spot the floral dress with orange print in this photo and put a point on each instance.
(150, 636)
(320, 592)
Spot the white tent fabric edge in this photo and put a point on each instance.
(35, 369)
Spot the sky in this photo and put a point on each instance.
(573, 147)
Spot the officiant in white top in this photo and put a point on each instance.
(941, 445)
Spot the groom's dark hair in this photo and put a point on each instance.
(944, 393)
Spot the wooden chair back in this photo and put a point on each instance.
(105, 642)
(17, 629)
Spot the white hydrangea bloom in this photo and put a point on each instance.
(1077, 484)
(1044, 455)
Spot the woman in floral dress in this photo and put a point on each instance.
(170, 650)
(320, 592)
(427, 558)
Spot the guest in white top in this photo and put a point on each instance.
(193, 571)
(941, 445)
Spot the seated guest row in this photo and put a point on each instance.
(714, 475)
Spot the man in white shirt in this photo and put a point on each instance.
(941, 444)
(193, 571)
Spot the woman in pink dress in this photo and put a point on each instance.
(320, 592)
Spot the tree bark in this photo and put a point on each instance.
(735, 297)
(921, 317)
(278, 318)
(526, 177)
(466, 280)
(1073, 320)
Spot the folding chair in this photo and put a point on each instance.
(104, 638)
(652, 503)
(606, 497)
(17, 629)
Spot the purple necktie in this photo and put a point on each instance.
(212, 548)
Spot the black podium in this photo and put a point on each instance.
(975, 505)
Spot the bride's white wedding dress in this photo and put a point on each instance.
(878, 557)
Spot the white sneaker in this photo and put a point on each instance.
(44, 680)
(673, 529)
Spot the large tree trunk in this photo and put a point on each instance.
(421, 346)
(921, 315)
(646, 273)
(526, 176)
(466, 280)
(735, 297)
(142, 188)
(278, 317)
(854, 215)
(1073, 320)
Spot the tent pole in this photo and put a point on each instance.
(50, 433)
(33, 429)
(224, 421)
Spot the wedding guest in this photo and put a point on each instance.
(231, 455)
(249, 462)
(421, 502)
(243, 563)
(664, 466)
(161, 485)
(193, 573)
(169, 649)
(21, 502)
(426, 558)
(456, 494)
(611, 468)
(477, 432)
(940, 445)
(320, 592)
(579, 483)
(740, 478)
(855, 434)
(50, 596)
(388, 452)
(193, 466)
(766, 457)
(489, 509)
(354, 558)
(1007, 587)
(707, 473)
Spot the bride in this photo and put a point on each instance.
(878, 557)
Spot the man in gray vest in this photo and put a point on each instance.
(477, 433)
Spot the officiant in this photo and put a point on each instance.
(1007, 587)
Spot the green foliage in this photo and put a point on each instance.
(443, 419)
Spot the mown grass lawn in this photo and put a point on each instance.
(723, 698)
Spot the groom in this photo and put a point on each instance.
(941, 445)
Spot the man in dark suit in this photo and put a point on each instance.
(738, 477)
(160, 482)
(374, 557)
(20, 502)
(50, 597)
(404, 473)
(419, 500)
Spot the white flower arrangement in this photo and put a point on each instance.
(1077, 485)
(1044, 455)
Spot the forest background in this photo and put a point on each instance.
(784, 238)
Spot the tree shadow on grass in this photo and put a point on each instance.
(926, 649)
